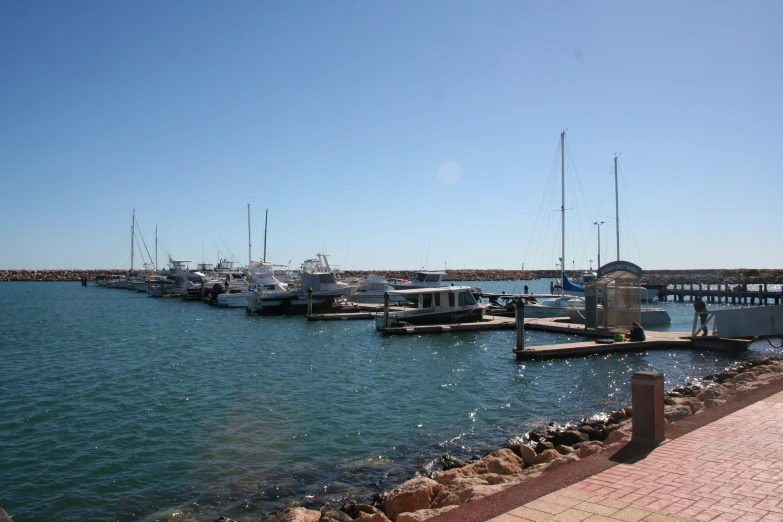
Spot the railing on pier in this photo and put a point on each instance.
(723, 292)
(766, 321)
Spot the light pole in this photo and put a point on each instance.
(599, 223)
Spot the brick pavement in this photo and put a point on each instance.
(728, 470)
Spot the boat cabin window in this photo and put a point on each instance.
(425, 300)
(437, 299)
(326, 278)
(420, 278)
(466, 299)
(451, 299)
(433, 278)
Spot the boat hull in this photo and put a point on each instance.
(235, 300)
(471, 315)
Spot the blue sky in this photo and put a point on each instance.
(391, 135)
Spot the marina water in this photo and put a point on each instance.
(118, 407)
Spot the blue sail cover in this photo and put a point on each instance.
(570, 287)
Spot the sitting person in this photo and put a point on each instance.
(637, 332)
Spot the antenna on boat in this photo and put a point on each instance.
(249, 242)
(133, 237)
(562, 207)
(266, 224)
(616, 206)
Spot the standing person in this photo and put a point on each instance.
(525, 288)
(701, 309)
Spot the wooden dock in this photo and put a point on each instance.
(600, 343)
(655, 340)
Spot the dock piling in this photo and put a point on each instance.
(309, 301)
(386, 309)
(519, 315)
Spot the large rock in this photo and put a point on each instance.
(528, 454)
(565, 459)
(617, 436)
(374, 517)
(592, 432)
(501, 462)
(297, 515)
(356, 510)
(589, 448)
(424, 514)
(335, 516)
(461, 491)
(570, 437)
(713, 392)
(4, 516)
(675, 413)
(742, 377)
(411, 496)
(546, 456)
(694, 404)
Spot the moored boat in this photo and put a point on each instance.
(442, 305)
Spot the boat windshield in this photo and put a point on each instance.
(433, 278)
(420, 278)
(466, 299)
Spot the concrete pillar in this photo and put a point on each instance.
(647, 403)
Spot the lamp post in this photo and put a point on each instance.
(599, 223)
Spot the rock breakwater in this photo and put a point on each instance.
(537, 452)
(652, 277)
(54, 275)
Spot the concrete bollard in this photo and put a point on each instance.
(647, 403)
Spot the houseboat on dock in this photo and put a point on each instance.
(443, 305)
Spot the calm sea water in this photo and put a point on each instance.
(118, 407)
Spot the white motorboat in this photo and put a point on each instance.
(318, 285)
(175, 281)
(261, 276)
(649, 316)
(372, 289)
(422, 279)
(536, 306)
(443, 305)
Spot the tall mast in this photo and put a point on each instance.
(249, 242)
(617, 207)
(133, 237)
(266, 222)
(156, 247)
(562, 206)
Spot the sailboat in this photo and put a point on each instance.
(260, 275)
(649, 316)
(571, 294)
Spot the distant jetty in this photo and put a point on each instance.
(649, 277)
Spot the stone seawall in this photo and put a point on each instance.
(54, 275)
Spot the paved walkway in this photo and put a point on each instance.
(730, 469)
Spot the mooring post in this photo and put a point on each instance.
(386, 309)
(519, 315)
(647, 402)
(309, 301)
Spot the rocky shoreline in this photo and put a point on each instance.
(649, 277)
(537, 452)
